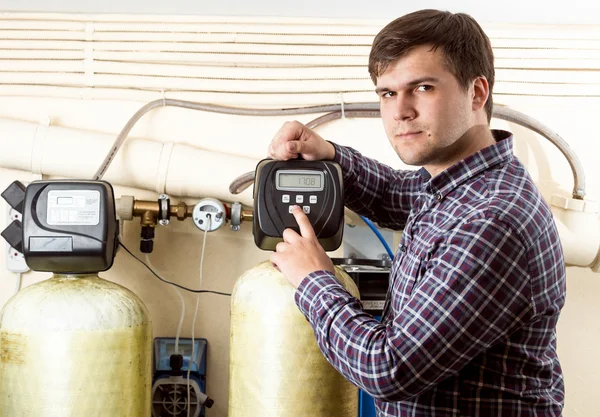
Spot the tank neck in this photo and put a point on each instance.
(74, 276)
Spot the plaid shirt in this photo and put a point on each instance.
(476, 288)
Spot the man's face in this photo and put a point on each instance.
(424, 109)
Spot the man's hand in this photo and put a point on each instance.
(300, 254)
(295, 139)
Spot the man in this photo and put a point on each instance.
(478, 281)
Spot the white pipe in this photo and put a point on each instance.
(272, 39)
(225, 26)
(256, 38)
(268, 48)
(172, 83)
(233, 99)
(579, 230)
(245, 48)
(275, 61)
(268, 86)
(170, 56)
(208, 71)
(547, 43)
(175, 169)
(73, 21)
(60, 18)
(185, 171)
(345, 77)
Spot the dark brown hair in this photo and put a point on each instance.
(465, 47)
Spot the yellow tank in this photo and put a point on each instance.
(276, 367)
(75, 346)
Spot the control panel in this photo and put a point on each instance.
(315, 186)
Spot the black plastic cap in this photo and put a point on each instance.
(209, 402)
(146, 246)
(13, 234)
(176, 362)
(147, 232)
(15, 195)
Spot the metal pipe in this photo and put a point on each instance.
(247, 215)
(141, 206)
(148, 211)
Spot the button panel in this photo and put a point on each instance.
(299, 199)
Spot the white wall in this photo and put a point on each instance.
(509, 11)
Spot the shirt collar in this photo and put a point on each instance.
(455, 175)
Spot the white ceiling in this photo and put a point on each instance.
(504, 11)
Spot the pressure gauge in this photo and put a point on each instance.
(315, 186)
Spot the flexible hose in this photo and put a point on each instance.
(371, 110)
(18, 282)
(510, 115)
(336, 111)
(215, 109)
(208, 219)
(241, 183)
(180, 325)
(379, 236)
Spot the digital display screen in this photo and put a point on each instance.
(300, 181)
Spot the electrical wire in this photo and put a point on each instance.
(182, 307)
(18, 283)
(208, 220)
(336, 111)
(379, 236)
(215, 109)
(149, 266)
(169, 282)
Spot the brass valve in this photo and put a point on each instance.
(160, 212)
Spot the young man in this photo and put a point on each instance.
(478, 281)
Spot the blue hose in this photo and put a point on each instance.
(379, 236)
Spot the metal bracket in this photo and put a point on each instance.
(163, 209)
(236, 216)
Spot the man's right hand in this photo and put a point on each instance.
(295, 139)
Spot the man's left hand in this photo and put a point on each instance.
(300, 254)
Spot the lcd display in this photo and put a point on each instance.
(291, 181)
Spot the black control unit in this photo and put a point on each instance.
(69, 226)
(316, 186)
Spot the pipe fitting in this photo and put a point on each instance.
(124, 207)
(579, 230)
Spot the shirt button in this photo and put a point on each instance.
(402, 248)
(438, 196)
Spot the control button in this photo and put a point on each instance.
(285, 198)
(306, 209)
(299, 199)
(290, 209)
(313, 199)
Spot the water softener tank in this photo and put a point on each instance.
(276, 367)
(75, 346)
